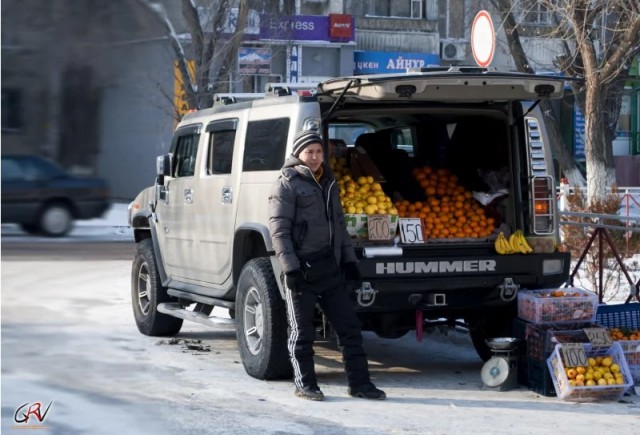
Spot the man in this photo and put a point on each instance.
(313, 247)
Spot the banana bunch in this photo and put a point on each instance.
(519, 243)
(502, 245)
(515, 244)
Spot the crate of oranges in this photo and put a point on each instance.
(623, 322)
(606, 375)
(448, 211)
(363, 199)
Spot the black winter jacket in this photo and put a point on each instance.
(305, 216)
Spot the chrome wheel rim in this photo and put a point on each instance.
(253, 321)
(143, 289)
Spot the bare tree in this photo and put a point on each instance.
(600, 40)
(213, 48)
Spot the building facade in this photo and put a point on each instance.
(94, 87)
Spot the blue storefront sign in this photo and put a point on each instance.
(296, 28)
(372, 62)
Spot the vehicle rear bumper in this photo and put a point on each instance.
(456, 291)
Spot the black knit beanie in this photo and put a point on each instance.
(304, 139)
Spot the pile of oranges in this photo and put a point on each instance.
(624, 334)
(449, 210)
(360, 195)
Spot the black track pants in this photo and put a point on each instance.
(338, 308)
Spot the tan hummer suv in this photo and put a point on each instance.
(202, 232)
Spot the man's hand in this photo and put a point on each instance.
(353, 272)
(294, 281)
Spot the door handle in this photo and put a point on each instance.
(188, 196)
(227, 195)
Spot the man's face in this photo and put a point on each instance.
(312, 156)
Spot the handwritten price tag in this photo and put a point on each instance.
(573, 355)
(411, 230)
(598, 337)
(379, 226)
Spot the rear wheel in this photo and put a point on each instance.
(56, 220)
(261, 323)
(147, 292)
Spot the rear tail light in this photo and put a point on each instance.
(543, 205)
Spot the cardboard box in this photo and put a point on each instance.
(362, 165)
(358, 226)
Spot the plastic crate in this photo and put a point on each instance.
(539, 379)
(635, 374)
(631, 350)
(519, 330)
(589, 393)
(619, 316)
(539, 306)
(542, 339)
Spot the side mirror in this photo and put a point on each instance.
(164, 164)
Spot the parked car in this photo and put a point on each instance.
(43, 198)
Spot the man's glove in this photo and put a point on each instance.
(294, 281)
(353, 273)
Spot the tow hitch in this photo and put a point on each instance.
(366, 295)
(508, 289)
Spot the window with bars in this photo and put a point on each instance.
(533, 13)
(11, 110)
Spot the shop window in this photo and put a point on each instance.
(11, 110)
(265, 144)
(386, 8)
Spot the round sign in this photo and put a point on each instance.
(483, 39)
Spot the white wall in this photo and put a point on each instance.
(135, 118)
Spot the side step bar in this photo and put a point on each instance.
(207, 300)
(175, 310)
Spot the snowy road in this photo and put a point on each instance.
(68, 337)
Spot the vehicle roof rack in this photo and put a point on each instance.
(231, 98)
(282, 89)
(455, 68)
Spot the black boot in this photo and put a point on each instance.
(310, 393)
(367, 391)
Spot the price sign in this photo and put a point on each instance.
(379, 226)
(411, 230)
(598, 337)
(573, 355)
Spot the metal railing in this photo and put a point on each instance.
(601, 233)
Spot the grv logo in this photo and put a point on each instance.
(26, 411)
(435, 267)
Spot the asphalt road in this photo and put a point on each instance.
(26, 250)
(69, 340)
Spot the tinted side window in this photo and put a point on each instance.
(265, 145)
(184, 155)
(221, 140)
(11, 170)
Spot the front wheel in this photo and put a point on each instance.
(261, 323)
(147, 293)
